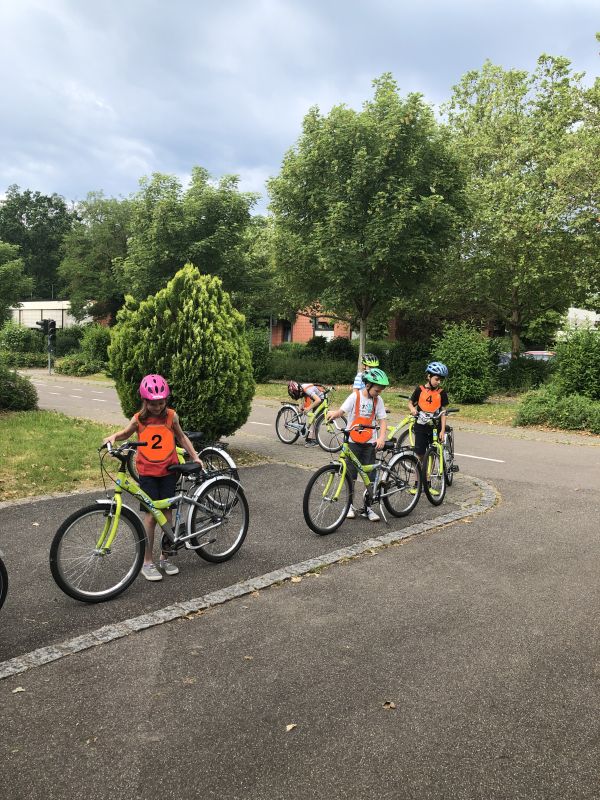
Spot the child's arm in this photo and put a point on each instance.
(123, 434)
(185, 442)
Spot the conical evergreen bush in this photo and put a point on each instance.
(190, 333)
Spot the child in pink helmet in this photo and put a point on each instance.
(157, 425)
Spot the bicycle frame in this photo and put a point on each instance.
(363, 469)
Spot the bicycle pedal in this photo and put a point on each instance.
(454, 468)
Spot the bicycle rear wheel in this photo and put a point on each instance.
(449, 456)
(327, 498)
(330, 435)
(434, 477)
(220, 520)
(3, 582)
(83, 568)
(287, 418)
(402, 484)
(219, 460)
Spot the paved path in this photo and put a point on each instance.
(461, 664)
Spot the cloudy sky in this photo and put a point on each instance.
(94, 94)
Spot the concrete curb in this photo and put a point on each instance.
(110, 633)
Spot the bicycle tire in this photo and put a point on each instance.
(132, 465)
(77, 566)
(286, 415)
(402, 484)
(222, 501)
(433, 476)
(449, 457)
(330, 435)
(219, 460)
(319, 497)
(404, 440)
(3, 582)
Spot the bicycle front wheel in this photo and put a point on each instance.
(85, 569)
(218, 460)
(287, 424)
(330, 435)
(132, 465)
(327, 499)
(449, 457)
(220, 519)
(434, 477)
(3, 582)
(402, 484)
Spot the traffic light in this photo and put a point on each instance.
(43, 323)
(51, 333)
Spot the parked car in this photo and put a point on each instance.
(539, 355)
(503, 359)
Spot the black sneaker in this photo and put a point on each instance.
(311, 443)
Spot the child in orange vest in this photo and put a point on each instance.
(424, 402)
(159, 427)
(367, 407)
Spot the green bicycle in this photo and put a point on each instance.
(438, 465)
(98, 551)
(328, 494)
(292, 421)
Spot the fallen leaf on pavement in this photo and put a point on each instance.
(296, 579)
(291, 727)
(18, 689)
(389, 705)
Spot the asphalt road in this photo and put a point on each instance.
(463, 664)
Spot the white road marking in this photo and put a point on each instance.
(76, 396)
(53, 392)
(98, 400)
(481, 458)
(268, 424)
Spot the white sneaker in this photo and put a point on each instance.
(351, 513)
(150, 572)
(168, 566)
(370, 515)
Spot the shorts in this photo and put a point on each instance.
(159, 488)
(423, 438)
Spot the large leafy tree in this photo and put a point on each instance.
(532, 240)
(96, 241)
(204, 224)
(36, 223)
(14, 283)
(365, 205)
(190, 333)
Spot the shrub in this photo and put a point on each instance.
(284, 367)
(402, 356)
(548, 406)
(68, 340)
(464, 350)
(258, 342)
(523, 373)
(78, 364)
(291, 348)
(315, 347)
(17, 393)
(341, 349)
(94, 343)
(578, 363)
(190, 333)
(19, 339)
(12, 359)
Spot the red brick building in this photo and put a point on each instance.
(305, 327)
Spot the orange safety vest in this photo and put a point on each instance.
(361, 437)
(159, 450)
(429, 400)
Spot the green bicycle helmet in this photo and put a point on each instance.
(370, 360)
(376, 376)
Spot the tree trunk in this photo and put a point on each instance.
(362, 340)
(515, 327)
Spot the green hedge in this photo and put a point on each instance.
(78, 364)
(578, 363)
(17, 393)
(258, 342)
(284, 367)
(465, 351)
(11, 359)
(523, 374)
(20, 339)
(548, 406)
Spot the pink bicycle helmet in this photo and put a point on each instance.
(154, 387)
(294, 390)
